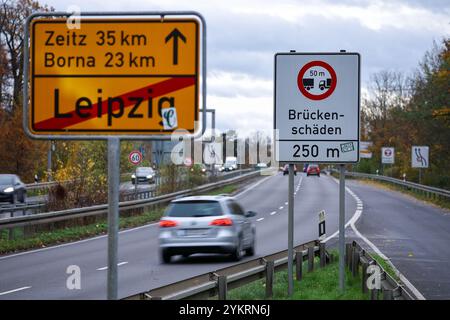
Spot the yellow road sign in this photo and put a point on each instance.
(113, 76)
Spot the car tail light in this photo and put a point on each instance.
(222, 222)
(167, 223)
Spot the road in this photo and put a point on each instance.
(413, 234)
(42, 274)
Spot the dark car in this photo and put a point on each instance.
(12, 189)
(313, 169)
(286, 169)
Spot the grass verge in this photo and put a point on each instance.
(440, 202)
(321, 284)
(386, 266)
(70, 234)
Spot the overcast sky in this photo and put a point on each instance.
(243, 37)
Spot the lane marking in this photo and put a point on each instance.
(352, 222)
(260, 219)
(104, 236)
(285, 203)
(281, 208)
(272, 213)
(106, 268)
(14, 290)
(76, 242)
(252, 186)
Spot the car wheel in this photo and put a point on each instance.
(251, 250)
(237, 254)
(165, 256)
(23, 199)
(13, 198)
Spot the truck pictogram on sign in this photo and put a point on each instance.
(317, 80)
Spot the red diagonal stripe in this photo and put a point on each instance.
(157, 89)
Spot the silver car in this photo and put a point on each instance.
(206, 224)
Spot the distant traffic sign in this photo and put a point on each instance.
(317, 107)
(420, 157)
(387, 155)
(114, 76)
(364, 149)
(135, 157)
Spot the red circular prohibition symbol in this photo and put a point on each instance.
(132, 159)
(317, 96)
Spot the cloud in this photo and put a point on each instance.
(243, 36)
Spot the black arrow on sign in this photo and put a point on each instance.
(175, 34)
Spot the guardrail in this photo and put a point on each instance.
(125, 205)
(34, 206)
(429, 191)
(128, 195)
(218, 282)
(390, 289)
(48, 184)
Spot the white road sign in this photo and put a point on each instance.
(317, 107)
(387, 155)
(420, 157)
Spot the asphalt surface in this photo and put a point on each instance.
(413, 234)
(42, 274)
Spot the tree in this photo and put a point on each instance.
(20, 154)
(12, 18)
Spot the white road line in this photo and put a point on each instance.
(252, 186)
(272, 213)
(14, 290)
(260, 219)
(104, 236)
(352, 222)
(76, 242)
(106, 268)
(285, 203)
(281, 208)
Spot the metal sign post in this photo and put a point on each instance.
(113, 214)
(291, 230)
(341, 227)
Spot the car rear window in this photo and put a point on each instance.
(194, 209)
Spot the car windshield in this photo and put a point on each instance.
(144, 171)
(6, 179)
(194, 209)
(313, 166)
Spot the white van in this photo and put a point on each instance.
(230, 164)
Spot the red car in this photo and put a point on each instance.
(313, 169)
